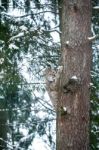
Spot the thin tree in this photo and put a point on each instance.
(74, 92)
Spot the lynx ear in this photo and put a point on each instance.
(60, 68)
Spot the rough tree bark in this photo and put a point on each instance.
(73, 103)
(3, 128)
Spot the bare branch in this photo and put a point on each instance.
(53, 30)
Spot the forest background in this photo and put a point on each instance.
(29, 42)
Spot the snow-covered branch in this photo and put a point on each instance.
(93, 37)
(24, 140)
(16, 36)
(9, 145)
(96, 7)
(26, 15)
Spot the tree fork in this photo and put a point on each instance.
(72, 131)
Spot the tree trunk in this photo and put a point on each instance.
(73, 103)
(3, 128)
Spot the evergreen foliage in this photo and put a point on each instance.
(26, 48)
